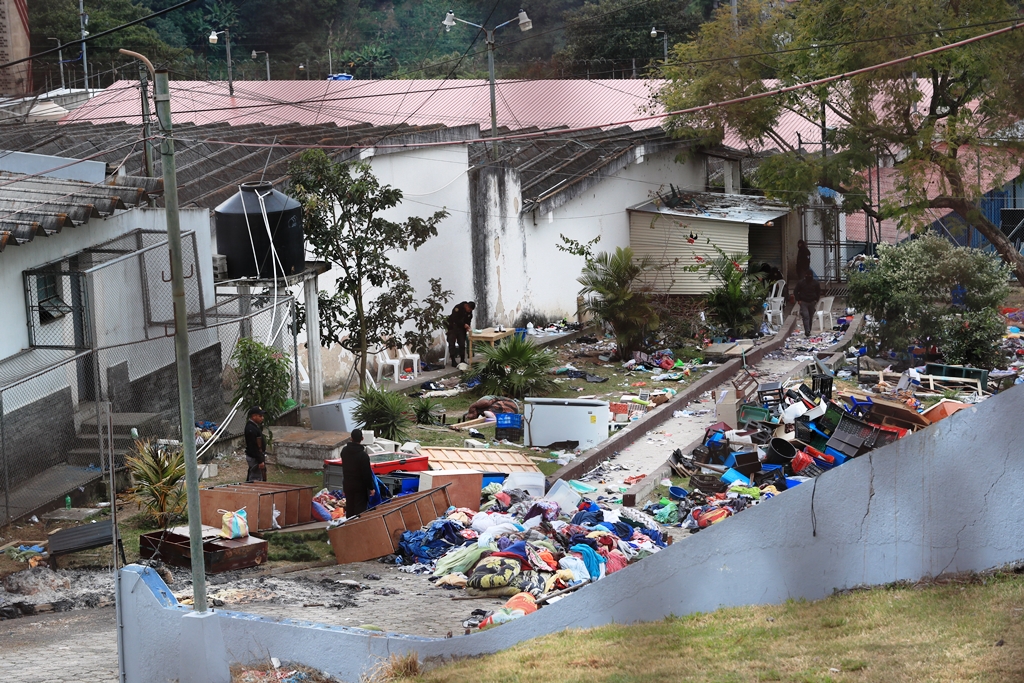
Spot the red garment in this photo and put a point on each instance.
(614, 560)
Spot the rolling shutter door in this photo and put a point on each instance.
(665, 239)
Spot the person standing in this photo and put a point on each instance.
(357, 475)
(807, 293)
(803, 260)
(459, 323)
(255, 446)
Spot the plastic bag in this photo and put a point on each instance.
(274, 524)
(236, 524)
(667, 514)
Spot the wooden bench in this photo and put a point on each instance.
(85, 537)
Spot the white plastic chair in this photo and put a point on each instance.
(383, 361)
(824, 308)
(405, 353)
(774, 310)
(777, 289)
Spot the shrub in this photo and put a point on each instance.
(385, 412)
(973, 338)
(516, 368)
(614, 294)
(423, 408)
(159, 473)
(736, 304)
(263, 376)
(909, 290)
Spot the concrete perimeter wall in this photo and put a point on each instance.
(940, 501)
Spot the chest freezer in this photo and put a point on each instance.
(550, 420)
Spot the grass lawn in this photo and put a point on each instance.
(907, 633)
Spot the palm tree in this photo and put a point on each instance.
(614, 295)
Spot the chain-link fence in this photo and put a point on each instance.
(64, 415)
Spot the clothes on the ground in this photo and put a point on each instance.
(255, 452)
(357, 478)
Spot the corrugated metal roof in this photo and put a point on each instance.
(520, 104)
(734, 208)
(33, 207)
(553, 170)
(210, 173)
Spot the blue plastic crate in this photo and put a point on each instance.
(494, 478)
(514, 420)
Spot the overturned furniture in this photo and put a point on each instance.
(259, 499)
(219, 554)
(376, 533)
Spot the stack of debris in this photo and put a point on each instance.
(784, 435)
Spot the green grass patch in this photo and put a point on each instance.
(937, 633)
(306, 546)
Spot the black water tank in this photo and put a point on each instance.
(241, 217)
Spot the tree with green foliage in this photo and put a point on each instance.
(59, 19)
(264, 377)
(373, 297)
(616, 34)
(615, 294)
(948, 121)
(909, 292)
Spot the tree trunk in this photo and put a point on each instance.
(361, 322)
(992, 233)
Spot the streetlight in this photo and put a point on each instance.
(227, 46)
(267, 55)
(524, 25)
(664, 39)
(60, 60)
(302, 69)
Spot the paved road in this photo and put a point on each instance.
(68, 647)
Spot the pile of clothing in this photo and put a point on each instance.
(526, 548)
(329, 506)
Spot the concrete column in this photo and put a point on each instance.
(244, 308)
(313, 364)
(203, 656)
(733, 176)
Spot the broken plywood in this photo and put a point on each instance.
(482, 459)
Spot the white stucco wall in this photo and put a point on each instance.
(15, 260)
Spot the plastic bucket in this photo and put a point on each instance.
(780, 452)
(677, 492)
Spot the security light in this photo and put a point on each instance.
(449, 21)
(254, 54)
(213, 37)
(654, 32)
(524, 21)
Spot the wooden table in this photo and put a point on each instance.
(488, 336)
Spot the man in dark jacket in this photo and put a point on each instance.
(459, 323)
(803, 260)
(807, 293)
(357, 475)
(255, 446)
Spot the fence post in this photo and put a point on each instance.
(295, 351)
(7, 471)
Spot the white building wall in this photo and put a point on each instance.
(551, 274)
(15, 260)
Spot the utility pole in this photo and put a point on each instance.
(83, 21)
(186, 409)
(60, 60)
